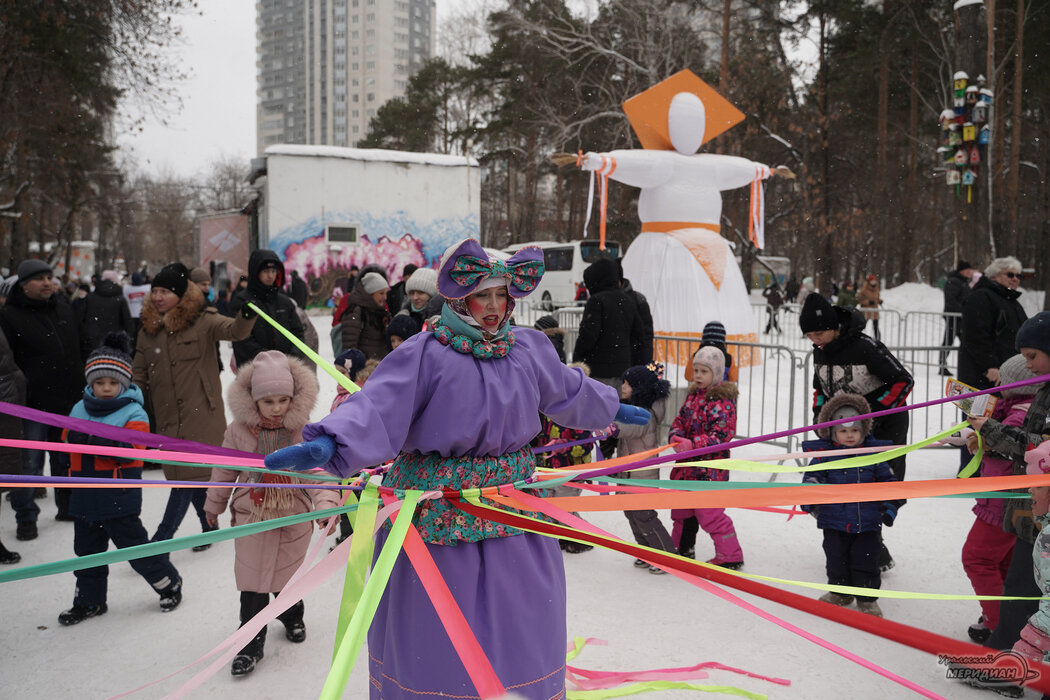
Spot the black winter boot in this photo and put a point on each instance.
(294, 627)
(171, 595)
(7, 556)
(79, 613)
(251, 654)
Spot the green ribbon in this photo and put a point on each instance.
(368, 600)
(145, 550)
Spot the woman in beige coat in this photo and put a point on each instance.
(261, 423)
(177, 368)
(870, 297)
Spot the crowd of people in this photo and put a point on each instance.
(458, 396)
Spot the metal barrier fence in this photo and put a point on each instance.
(776, 391)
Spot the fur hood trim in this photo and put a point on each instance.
(178, 318)
(554, 332)
(244, 410)
(838, 401)
(725, 390)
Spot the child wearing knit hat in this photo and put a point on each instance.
(988, 548)
(644, 386)
(105, 515)
(707, 418)
(270, 400)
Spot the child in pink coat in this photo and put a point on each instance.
(271, 400)
(708, 417)
(988, 549)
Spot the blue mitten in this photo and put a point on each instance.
(889, 514)
(304, 456)
(632, 415)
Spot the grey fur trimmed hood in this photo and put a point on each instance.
(839, 401)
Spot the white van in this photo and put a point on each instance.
(565, 265)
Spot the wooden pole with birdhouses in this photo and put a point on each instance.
(966, 144)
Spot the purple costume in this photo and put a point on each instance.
(427, 398)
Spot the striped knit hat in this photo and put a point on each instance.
(111, 359)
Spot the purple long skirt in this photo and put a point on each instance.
(511, 591)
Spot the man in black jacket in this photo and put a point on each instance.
(956, 289)
(45, 340)
(105, 311)
(610, 326)
(642, 349)
(846, 360)
(298, 290)
(265, 280)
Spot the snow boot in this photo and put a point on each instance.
(639, 564)
(885, 558)
(245, 661)
(171, 596)
(206, 546)
(79, 613)
(978, 631)
(7, 556)
(294, 627)
(574, 547)
(836, 598)
(734, 565)
(26, 531)
(869, 607)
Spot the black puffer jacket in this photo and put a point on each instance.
(275, 303)
(105, 311)
(856, 363)
(642, 350)
(46, 345)
(990, 322)
(610, 327)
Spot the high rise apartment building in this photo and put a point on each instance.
(325, 66)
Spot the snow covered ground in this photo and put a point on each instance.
(648, 621)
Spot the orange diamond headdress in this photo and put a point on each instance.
(647, 111)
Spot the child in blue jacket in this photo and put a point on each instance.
(851, 530)
(109, 515)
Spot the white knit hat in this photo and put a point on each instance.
(423, 280)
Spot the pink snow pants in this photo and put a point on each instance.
(986, 556)
(715, 523)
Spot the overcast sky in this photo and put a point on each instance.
(218, 100)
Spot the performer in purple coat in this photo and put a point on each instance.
(457, 408)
